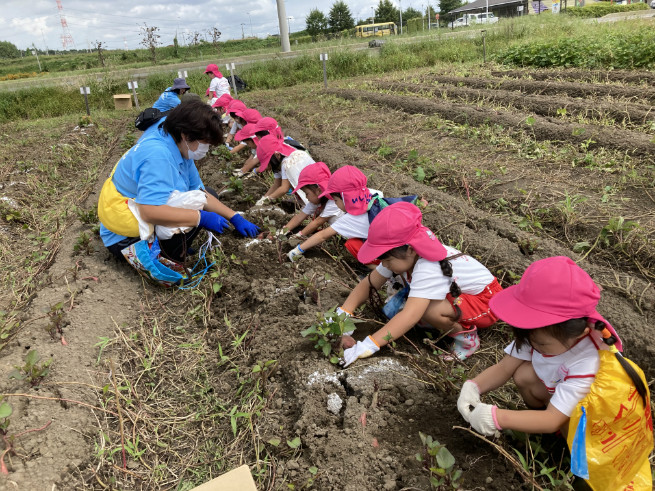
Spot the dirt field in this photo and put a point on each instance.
(159, 389)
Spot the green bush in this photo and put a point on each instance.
(628, 49)
(601, 9)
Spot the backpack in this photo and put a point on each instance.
(293, 143)
(376, 204)
(238, 81)
(148, 117)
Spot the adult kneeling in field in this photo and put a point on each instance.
(157, 169)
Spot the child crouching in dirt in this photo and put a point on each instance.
(347, 187)
(313, 181)
(286, 162)
(559, 353)
(405, 247)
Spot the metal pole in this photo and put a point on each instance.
(282, 19)
(36, 52)
(251, 34)
(429, 19)
(401, 16)
(136, 99)
(230, 66)
(85, 91)
(324, 57)
(484, 46)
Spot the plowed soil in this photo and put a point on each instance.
(148, 392)
(633, 77)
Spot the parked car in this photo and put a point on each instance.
(470, 19)
(652, 4)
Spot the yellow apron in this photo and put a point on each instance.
(114, 212)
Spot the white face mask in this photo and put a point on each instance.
(199, 152)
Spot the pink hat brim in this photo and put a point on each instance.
(423, 242)
(511, 310)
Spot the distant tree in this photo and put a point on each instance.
(448, 5)
(340, 17)
(386, 12)
(8, 50)
(176, 47)
(150, 40)
(215, 35)
(411, 13)
(316, 23)
(101, 57)
(194, 40)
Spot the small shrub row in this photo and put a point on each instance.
(603, 8)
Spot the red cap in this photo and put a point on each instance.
(269, 124)
(223, 101)
(250, 115)
(214, 69)
(351, 183)
(267, 146)
(398, 225)
(235, 105)
(551, 291)
(248, 131)
(316, 173)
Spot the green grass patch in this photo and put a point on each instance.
(603, 8)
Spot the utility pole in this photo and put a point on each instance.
(36, 52)
(251, 34)
(400, 4)
(44, 43)
(284, 29)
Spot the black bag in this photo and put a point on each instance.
(293, 143)
(148, 117)
(238, 81)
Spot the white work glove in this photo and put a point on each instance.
(295, 253)
(238, 173)
(281, 232)
(483, 420)
(363, 349)
(262, 201)
(468, 396)
(340, 311)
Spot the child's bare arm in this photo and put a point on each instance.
(359, 295)
(529, 421)
(281, 190)
(314, 225)
(403, 321)
(318, 238)
(498, 374)
(238, 148)
(296, 220)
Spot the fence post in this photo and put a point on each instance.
(134, 85)
(230, 66)
(324, 57)
(85, 91)
(181, 73)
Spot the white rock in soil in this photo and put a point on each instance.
(334, 403)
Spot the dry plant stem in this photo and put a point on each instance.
(120, 416)
(519, 468)
(9, 447)
(59, 399)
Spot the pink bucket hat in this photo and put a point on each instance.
(270, 124)
(317, 173)
(397, 225)
(551, 291)
(267, 146)
(223, 101)
(234, 105)
(248, 131)
(250, 115)
(351, 183)
(213, 69)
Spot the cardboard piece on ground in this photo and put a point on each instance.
(238, 479)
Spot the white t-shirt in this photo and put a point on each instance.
(235, 127)
(220, 86)
(331, 211)
(291, 167)
(354, 226)
(428, 281)
(567, 376)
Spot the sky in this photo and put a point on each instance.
(117, 23)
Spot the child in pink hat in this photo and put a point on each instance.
(243, 116)
(351, 194)
(286, 162)
(446, 289)
(234, 106)
(554, 356)
(313, 181)
(218, 84)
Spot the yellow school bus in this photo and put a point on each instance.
(381, 29)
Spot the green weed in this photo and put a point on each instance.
(440, 463)
(31, 370)
(326, 332)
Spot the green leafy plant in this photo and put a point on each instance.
(440, 463)
(83, 244)
(89, 216)
(310, 287)
(32, 370)
(56, 316)
(327, 331)
(235, 184)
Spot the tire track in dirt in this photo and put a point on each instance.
(542, 105)
(543, 128)
(580, 75)
(569, 89)
(496, 242)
